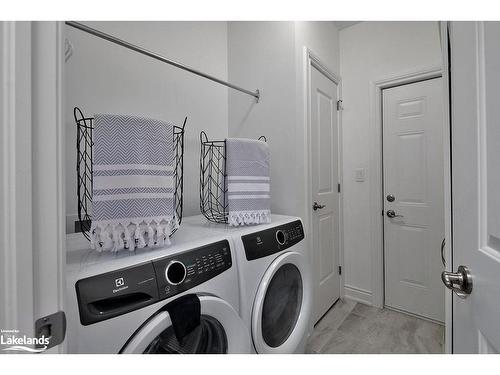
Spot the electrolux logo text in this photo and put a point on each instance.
(120, 285)
(13, 342)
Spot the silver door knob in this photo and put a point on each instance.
(317, 206)
(391, 214)
(459, 282)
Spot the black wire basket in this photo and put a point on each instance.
(84, 172)
(213, 186)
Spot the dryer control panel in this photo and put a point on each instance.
(270, 241)
(118, 292)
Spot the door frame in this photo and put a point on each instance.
(16, 249)
(376, 167)
(32, 185)
(448, 253)
(313, 60)
(49, 205)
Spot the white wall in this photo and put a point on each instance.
(103, 77)
(269, 56)
(261, 55)
(371, 51)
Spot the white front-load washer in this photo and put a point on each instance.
(276, 293)
(145, 301)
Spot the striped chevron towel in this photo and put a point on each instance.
(132, 199)
(248, 182)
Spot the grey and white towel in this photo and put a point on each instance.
(248, 181)
(133, 165)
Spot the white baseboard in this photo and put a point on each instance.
(358, 294)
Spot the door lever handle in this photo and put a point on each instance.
(443, 244)
(317, 206)
(391, 214)
(459, 282)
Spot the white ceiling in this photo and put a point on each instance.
(343, 24)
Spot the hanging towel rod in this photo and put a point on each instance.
(133, 47)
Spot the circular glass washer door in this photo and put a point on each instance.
(281, 313)
(221, 331)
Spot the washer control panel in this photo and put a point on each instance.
(261, 244)
(181, 272)
(120, 291)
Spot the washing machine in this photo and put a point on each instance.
(276, 293)
(180, 299)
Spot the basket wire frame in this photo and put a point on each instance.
(84, 170)
(213, 185)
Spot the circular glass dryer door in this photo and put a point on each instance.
(221, 331)
(281, 315)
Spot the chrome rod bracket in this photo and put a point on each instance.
(257, 95)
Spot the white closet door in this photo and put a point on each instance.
(325, 196)
(414, 193)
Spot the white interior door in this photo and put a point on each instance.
(414, 192)
(475, 83)
(325, 178)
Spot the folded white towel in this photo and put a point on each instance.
(248, 181)
(133, 165)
